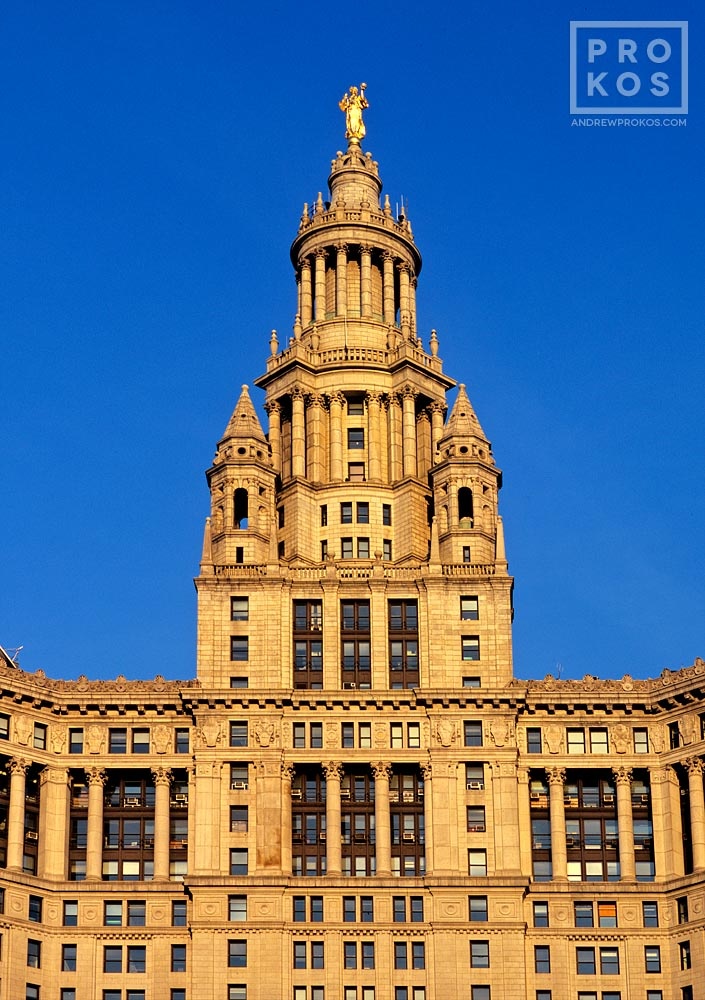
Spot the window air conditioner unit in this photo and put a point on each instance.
(32, 835)
(321, 836)
(132, 801)
(239, 786)
(408, 836)
(608, 797)
(349, 685)
(474, 786)
(181, 798)
(408, 796)
(296, 793)
(479, 829)
(345, 793)
(534, 795)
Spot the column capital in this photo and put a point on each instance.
(273, 407)
(426, 771)
(437, 407)
(694, 765)
(365, 248)
(304, 262)
(555, 775)
(161, 775)
(336, 397)
(59, 775)
(387, 255)
(18, 765)
(297, 392)
(288, 772)
(403, 268)
(622, 775)
(317, 399)
(408, 392)
(96, 776)
(394, 398)
(373, 397)
(381, 770)
(321, 253)
(341, 247)
(333, 770)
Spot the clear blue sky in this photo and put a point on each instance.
(156, 156)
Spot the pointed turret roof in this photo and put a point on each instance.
(244, 422)
(463, 422)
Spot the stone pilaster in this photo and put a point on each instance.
(53, 822)
(694, 766)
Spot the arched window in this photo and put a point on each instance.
(465, 511)
(240, 509)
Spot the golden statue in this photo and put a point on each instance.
(353, 104)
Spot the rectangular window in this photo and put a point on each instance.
(576, 740)
(543, 995)
(609, 961)
(140, 741)
(684, 955)
(652, 958)
(367, 913)
(75, 741)
(178, 958)
(542, 958)
(136, 913)
(299, 909)
(112, 915)
(413, 736)
(349, 954)
(466, 553)
(541, 914)
(40, 736)
(363, 548)
(585, 961)
(117, 741)
(472, 682)
(316, 909)
(470, 648)
(649, 911)
(181, 741)
(598, 741)
(469, 609)
(237, 908)
(34, 954)
(324, 550)
(400, 955)
(416, 909)
(35, 909)
(363, 513)
(356, 472)
(238, 734)
(178, 994)
(239, 682)
(606, 914)
(32, 992)
(654, 995)
(682, 909)
(112, 958)
(324, 515)
(299, 954)
(238, 861)
(387, 549)
(474, 777)
(346, 548)
(178, 913)
(356, 437)
(480, 993)
(239, 647)
(70, 913)
(136, 958)
(386, 514)
(399, 909)
(472, 732)
(533, 740)
(477, 863)
(237, 954)
(239, 609)
(584, 916)
(641, 741)
(367, 955)
(316, 736)
(418, 955)
(477, 909)
(479, 954)
(4, 726)
(67, 993)
(346, 513)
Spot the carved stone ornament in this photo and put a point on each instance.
(161, 775)
(265, 732)
(58, 739)
(288, 772)
(657, 738)
(501, 732)
(446, 732)
(161, 738)
(622, 775)
(621, 738)
(553, 735)
(17, 765)
(555, 775)
(96, 776)
(95, 739)
(210, 733)
(23, 730)
(333, 771)
(381, 770)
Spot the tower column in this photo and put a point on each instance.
(365, 282)
(341, 279)
(437, 410)
(374, 444)
(427, 773)
(275, 434)
(306, 292)
(409, 431)
(298, 434)
(162, 786)
(625, 823)
(320, 290)
(333, 772)
(395, 438)
(337, 401)
(53, 822)
(559, 853)
(404, 300)
(287, 776)
(412, 304)
(94, 842)
(316, 468)
(388, 288)
(382, 772)
(15, 819)
(697, 810)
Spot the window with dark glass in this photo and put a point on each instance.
(476, 819)
(346, 512)
(35, 909)
(585, 961)
(238, 734)
(178, 958)
(682, 908)
(649, 913)
(470, 647)
(609, 961)
(533, 740)
(112, 958)
(70, 913)
(324, 515)
(117, 741)
(178, 913)
(238, 861)
(355, 644)
(479, 954)
(308, 644)
(386, 549)
(403, 619)
(469, 608)
(356, 437)
(363, 513)
(34, 954)
(239, 647)
(239, 609)
(363, 548)
(540, 914)
(346, 548)
(40, 736)
(181, 741)
(386, 514)
(75, 741)
(237, 954)
(472, 733)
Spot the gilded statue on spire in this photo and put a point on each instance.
(353, 104)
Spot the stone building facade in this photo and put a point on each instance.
(355, 799)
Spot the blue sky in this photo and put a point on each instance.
(156, 157)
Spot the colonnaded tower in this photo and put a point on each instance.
(355, 799)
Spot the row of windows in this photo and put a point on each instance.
(357, 735)
(355, 654)
(239, 992)
(122, 740)
(308, 615)
(596, 740)
(585, 911)
(361, 510)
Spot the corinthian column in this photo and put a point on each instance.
(559, 855)
(320, 300)
(306, 293)
(337, 402)
(341, 279)
(287, 774)
(298, 434)
(15, 820)
(333, 772)
(437, 411)
(395, 438)
(383, 825)
(162, 786)
(388, 288)
(697, 810)
(404, 300)
(365, 282)
(275, 434)
(374, 449)
(409, 431)
(94, 842)
(625, 823)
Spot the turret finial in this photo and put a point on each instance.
(353, 104)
